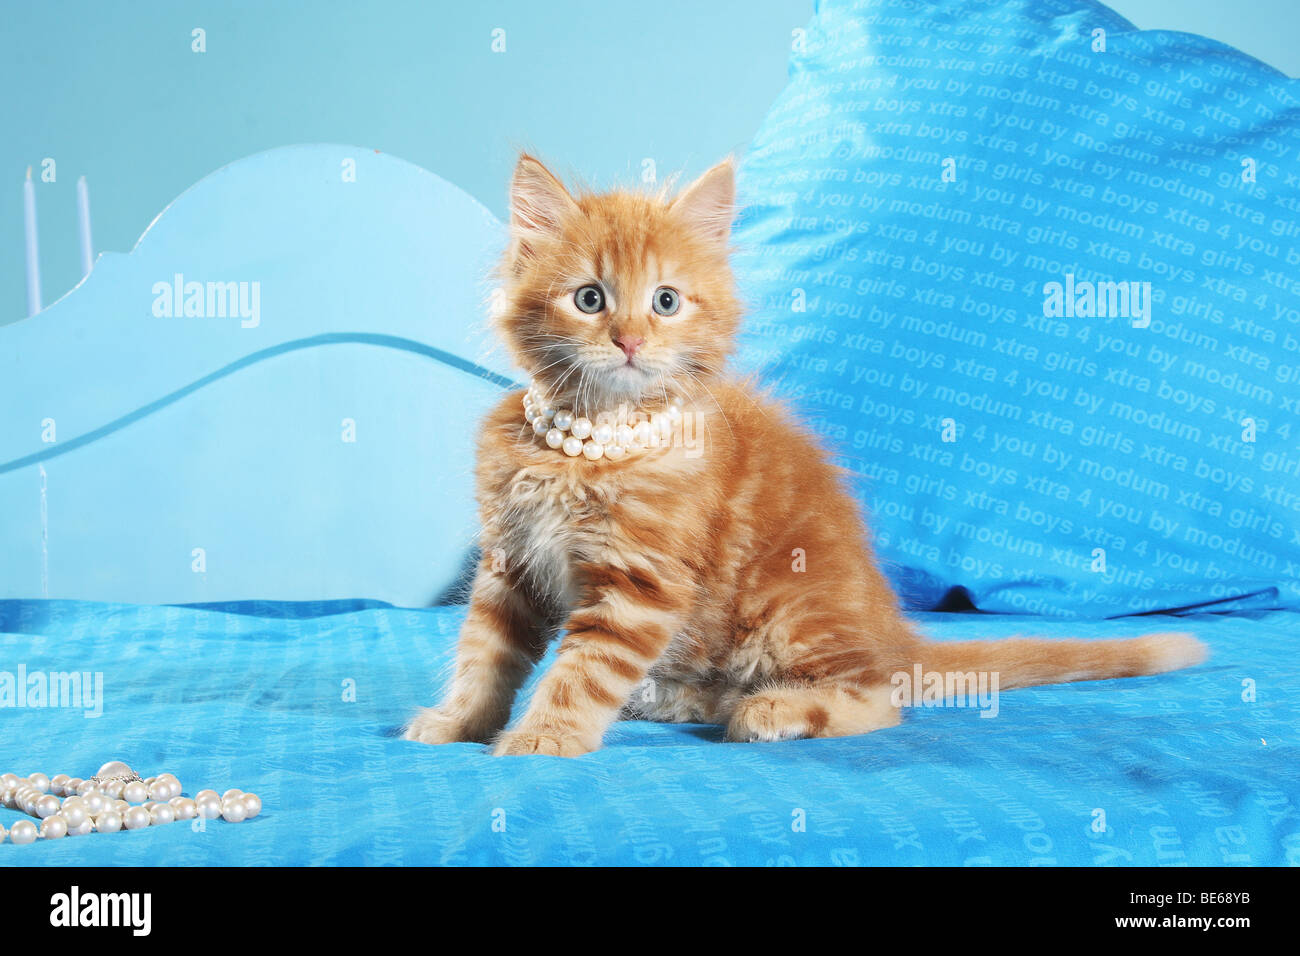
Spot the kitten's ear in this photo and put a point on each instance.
(539, 202)
(708, 205)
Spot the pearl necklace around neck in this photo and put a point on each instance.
(613, 435)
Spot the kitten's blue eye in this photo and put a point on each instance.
(589, 299)
(667, 301)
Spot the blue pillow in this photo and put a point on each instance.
(1033, 275)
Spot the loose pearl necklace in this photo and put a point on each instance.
(104, 803)
(613, 435)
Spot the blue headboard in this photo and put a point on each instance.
(271, 396)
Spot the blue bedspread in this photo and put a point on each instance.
(301, 703)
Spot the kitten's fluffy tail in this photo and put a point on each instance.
(1024, 662)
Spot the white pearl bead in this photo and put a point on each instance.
(623, 434)
(555, 438)
(615, 452)
(135, 792)
(208, 807)
(661, 423)
(604, 434)
(70, 788)
(10, 781)
(3, 833)
(581, 428)
(563, 420)
(641, 434)
(232, 792)
(252, 805)
(114, 768)
(185, 808)
(572, 446)
(161, 790)
(113, 789)
(593, 450)
(75, 814)
(161, 814)
(23, 832)
(81, 829)
(96, 803)
(57, 784)
(40, 782)
(54, 828)
(540, 425)
(207, 793)
(108, 822)
(47, 806)
(137, 818)
(120, 807)
(7, 798)
(547, 412)
(232, 811)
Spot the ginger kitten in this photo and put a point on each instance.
(705, 566)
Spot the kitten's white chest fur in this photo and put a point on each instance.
(549, 523)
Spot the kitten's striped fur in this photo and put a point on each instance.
(672, 573)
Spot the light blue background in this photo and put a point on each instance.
(111, 91)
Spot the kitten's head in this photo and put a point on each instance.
(618, 297)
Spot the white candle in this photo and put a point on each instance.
(33, 248)
(83, 227)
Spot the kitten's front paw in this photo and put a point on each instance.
(518, 743)
(434, 726)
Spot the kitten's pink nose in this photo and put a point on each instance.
(629, 344)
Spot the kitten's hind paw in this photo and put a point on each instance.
(768, 717)
(811, 710)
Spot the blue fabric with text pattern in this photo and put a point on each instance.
(1035, 276)
(300, 703)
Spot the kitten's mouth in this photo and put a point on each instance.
(626, 380)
